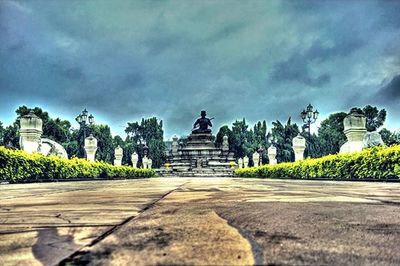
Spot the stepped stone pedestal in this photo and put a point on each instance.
(272, 155)
(200, 158)
(355, 130)
(30, 132)
(299, 145)
(118, 154)
(90, 148)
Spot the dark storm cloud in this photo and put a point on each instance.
(296, 69)
(124, 60)
(390, 93)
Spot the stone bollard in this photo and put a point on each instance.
(150, 163)
(299, 145)
(145, 162)
(256, 159)
(245, 162)
(354, 129)
(118, 153)
(90, 148)
(272, 155)
(134, 159)
(175, 146)
(240, 162)
(225, 143)
(30, 132)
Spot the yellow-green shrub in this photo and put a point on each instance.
(19, 166)
(374, 163)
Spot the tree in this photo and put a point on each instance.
(283, 136)
(375, 117)
(10, 136)
(239, 139)
(390, 138)
(105, 147)
(151, 131)
(330, 135)
(1, 134)
(224, 131)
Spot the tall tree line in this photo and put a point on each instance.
(244, 141)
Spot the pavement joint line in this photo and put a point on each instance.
(117, 226)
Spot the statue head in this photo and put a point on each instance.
(203, 114)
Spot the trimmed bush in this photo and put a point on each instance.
(380, 163)
(19, 166)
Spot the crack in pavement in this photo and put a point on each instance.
(246, 234)
(118, 226)
(62, 218)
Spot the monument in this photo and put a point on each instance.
(199, 156)
(90, 148)
(31, 129)
(272, 154)
(299, 145)
(354, 129)
(118, 154)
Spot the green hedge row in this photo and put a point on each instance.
(19, 166)
(378, 163)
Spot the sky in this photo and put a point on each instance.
(262, 60)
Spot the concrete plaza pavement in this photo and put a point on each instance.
(200, 221)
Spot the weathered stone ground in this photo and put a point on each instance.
(210, 221)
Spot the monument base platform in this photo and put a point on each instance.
(199, 157)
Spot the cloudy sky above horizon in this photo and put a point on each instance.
(124, 60)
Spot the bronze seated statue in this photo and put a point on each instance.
(201, 125)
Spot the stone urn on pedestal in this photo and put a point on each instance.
(240, 162)
(245, 162)
(272, 155)
(175, 146)
(134, 159)
(299, 145)
(256, 159)
(90, 148)
(225, 143)
(354, 129)
(30, 132)
(118, 153)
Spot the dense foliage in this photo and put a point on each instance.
(150, 132)
(19, 166)
(376, 163)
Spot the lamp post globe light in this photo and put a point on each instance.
(84, 120)
(309, 116)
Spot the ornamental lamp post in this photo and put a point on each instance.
(309, 116)
(84, 122)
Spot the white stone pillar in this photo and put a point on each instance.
(225, 143)
(30, 132)
(354, 129)
(90, 148)
(175, 146)
(150, 163)
(240, 162)
(299, 145)
(245, 161)
(134, 159)
(118, 153)
(272, 155)
(256, 159)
